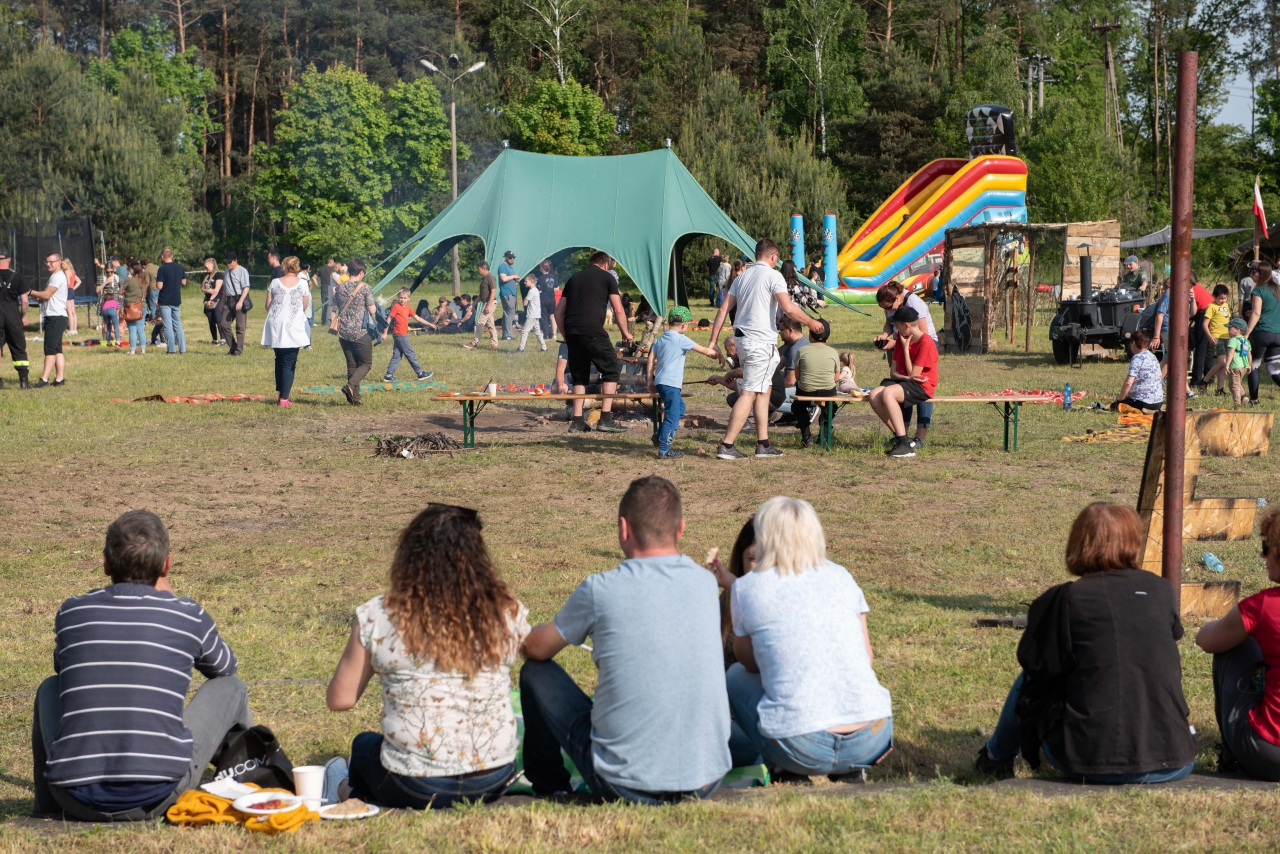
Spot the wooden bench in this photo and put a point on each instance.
(1011, 403)
(473, 402)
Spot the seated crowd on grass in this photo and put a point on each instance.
(699, 670)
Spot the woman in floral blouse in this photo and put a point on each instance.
(354, 299)
(442, 640)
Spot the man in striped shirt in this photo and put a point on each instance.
(111, 739)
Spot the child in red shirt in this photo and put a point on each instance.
(399, 318)
(913, 377)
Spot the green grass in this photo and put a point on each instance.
(282, 522)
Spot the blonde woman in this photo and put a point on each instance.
(442, 640)
(803, 688)
(211, 287)
(73, 282)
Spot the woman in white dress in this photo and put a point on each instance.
(285, 329)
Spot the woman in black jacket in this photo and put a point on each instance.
(1100, 693)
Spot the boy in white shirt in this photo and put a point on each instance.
(532, 314)
(53, 319)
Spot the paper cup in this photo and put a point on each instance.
(493, 389)
(312, 804)
(308, 781)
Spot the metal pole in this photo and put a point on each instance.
(453, 159)
(1175, 432)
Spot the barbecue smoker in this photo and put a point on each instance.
(1106, 319)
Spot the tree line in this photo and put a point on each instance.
(311, 125)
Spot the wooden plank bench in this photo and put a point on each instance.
(473, 402)
(1011, 404)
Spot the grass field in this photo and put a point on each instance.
(282, 522)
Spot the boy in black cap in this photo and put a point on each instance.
(13, 308)
(913, 377)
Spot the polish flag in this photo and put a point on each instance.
(1257, 208)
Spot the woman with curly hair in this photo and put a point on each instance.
(442, 640)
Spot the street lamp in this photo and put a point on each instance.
(453, 139)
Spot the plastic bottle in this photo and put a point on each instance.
(1210, 560)
(1066, 398)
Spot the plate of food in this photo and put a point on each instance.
(267, 803)
(350, 808)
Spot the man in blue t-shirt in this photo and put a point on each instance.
(657, 730)
(508, 280)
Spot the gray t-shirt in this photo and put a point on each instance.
(754, 290)
(809, 644)
(921, 309)
(660, 720)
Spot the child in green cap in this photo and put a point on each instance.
(1239, 357)
(666, 375)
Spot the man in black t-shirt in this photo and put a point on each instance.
(713, 270)
(13, 308)
(273, 261)
(548, 281)
(580, 314)
(171, 278)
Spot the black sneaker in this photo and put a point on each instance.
(809, 441)
(1001, 769)
(902, 449)
(57, 383)
(610, 426)
(729, 452)
(671, 455)
(426, 376)
(41, 384)
(764, 452)
(579, 425)
(916, 444)
(1227, 762)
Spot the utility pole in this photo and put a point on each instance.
(1112, 91)
(1035, 72)
(453, 140)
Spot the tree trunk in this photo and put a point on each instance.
(102, 32)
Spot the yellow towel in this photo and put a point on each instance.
(196, 808)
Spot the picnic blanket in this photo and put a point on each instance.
(365, 387)
(1134, 426)
(192, 398)
(737, 778)
(1048, 395)
(197, 808)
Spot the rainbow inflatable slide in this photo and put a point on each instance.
(912, 223)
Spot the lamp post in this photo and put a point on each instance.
(453, 139)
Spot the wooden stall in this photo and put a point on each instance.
(988, 265)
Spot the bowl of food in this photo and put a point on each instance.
(267, 803)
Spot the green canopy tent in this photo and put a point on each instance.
(643, 209)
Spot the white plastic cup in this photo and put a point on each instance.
(492, 389)
(308, 781)
(312, 804)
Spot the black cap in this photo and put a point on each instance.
(906, 314)
(229, 257)
(4, 253)
(822, 336)
(508, 254)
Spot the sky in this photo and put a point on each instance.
(1238, 108)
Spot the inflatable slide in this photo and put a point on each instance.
(912, 223)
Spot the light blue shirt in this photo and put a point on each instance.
(808, 642)
(660, 719)
(508, 288)
(669, 352)
(1145, 370)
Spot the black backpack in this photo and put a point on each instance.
(253, 755)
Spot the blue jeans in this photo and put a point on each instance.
(286, 367)
(153, 298)
(926, 416)
(672, 410)
(111, 324)
(137, 334)
(1004, 744)
(558, 715)
(372, 783)
(401, 348)
(810, 754)
(174, 337)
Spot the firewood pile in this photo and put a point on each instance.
(409, 447)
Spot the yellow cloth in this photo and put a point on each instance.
(196, 808)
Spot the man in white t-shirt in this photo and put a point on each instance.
(53, 321)
(758, 294)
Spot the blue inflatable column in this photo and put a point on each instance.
(830, 252)
(797, 241)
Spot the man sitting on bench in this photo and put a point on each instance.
(913, 377)
(817, 373)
